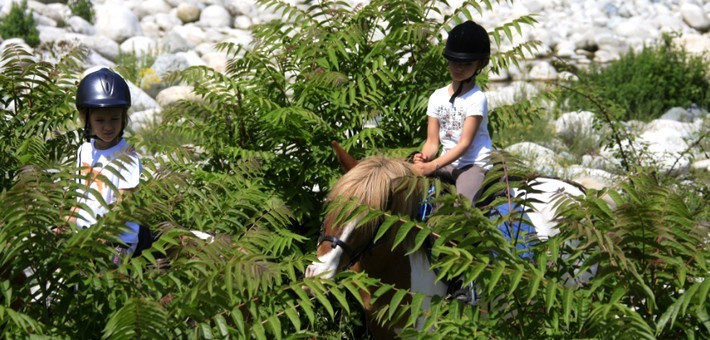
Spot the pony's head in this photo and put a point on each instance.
(375, 182)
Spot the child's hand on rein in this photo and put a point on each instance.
(424, 168)
(419, 158)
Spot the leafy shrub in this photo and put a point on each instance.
(322, 74)
(83, 9)
(644, 84)
(38, 116)
(19, 23)
(263, 130)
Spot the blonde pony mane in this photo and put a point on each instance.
(373, 182)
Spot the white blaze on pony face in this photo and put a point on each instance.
(328, 264)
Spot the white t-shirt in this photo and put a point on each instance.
(121, 166)
(451, 118)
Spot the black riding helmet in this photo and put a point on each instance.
(102, 89)
(467, 42)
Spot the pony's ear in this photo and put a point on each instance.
(347, 162)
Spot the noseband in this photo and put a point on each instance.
(354, 256)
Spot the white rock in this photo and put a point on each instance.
(536, 156)
(695, 16)
(57, 11)
(601, 177)
(636, 28)
(191, 33)
(151, 7)
(41, 20)
(103, 45)
(678, 114)
(140, 120)
(6, 6)
(678, 128)
(187, 12)
(598, 162)
(95, 59)
(248, 8)
(116, 22)
(242, 22)
(140, 46)
(48, 34)
(543, 71)
(695, 44)
(510, 94)
(703, 165)
(604, 56)
(79, 25)
(665, 148)
(565, 50)
(575, 123)
(166, 22)
(215, 16)
(172, 42)
(216, 60)
(140, 101)
(502, 76)
(173, 94)
(668, 23)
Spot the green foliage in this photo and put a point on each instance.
(323, 73)
(645, 84)
(522, 121)
(250, 162)
(83, 9)
(39, 115)
(19, 23)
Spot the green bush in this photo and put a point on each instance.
(20, 24)
(643, 84)
(259, 145)
(83, 9)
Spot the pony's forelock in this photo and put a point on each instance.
(371, 183)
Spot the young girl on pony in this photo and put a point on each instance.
(109, 167)
(458, 115)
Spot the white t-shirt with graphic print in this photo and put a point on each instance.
(451, 118)
(121, 166)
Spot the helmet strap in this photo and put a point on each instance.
(460, 87)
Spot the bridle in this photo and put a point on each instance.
(354, 256)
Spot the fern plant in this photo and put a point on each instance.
(249, 162)
(325, 72)
(38, 127)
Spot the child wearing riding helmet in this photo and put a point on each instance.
(108, 166)
(458, 115)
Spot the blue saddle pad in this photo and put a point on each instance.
(516, 230)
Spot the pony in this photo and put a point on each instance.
(371, 183)
(376, 182)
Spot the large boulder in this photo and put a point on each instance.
(116, 22)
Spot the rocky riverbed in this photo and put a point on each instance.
(183, 33)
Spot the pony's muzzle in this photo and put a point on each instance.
(317, 270)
